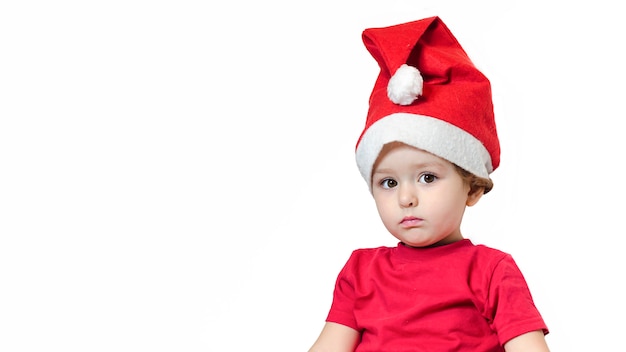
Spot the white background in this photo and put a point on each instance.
(180, 176)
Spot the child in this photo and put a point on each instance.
(426, 153)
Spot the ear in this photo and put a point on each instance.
(474, 197)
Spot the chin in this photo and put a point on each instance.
(419, 243)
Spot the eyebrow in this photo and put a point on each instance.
(382, 171)
(425, 165)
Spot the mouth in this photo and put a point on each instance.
(410, 221)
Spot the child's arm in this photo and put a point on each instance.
(336, 338)
(534, 341)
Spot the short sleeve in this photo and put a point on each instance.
(510, 305)
(342, 308)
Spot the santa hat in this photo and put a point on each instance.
(428, 95)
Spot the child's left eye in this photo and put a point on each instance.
(427, 178)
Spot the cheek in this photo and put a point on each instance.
(380, 206)
(384, 207)
(456, 208)
(451, 206)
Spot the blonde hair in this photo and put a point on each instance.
(476, 183)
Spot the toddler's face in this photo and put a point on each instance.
(420, 197)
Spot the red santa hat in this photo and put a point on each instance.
(428, 95)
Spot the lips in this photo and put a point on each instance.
(410, 221)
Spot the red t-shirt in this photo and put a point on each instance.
(456, 297)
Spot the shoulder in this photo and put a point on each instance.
(499, 266)
(490, 261)
(371, 253)
(364, 257)
(483, 252)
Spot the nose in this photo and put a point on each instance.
(407, 196)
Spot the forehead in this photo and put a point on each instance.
(403, 153)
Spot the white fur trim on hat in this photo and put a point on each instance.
(427, 133)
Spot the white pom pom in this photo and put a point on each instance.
(405, 85)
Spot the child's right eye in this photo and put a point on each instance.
(388, 183)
